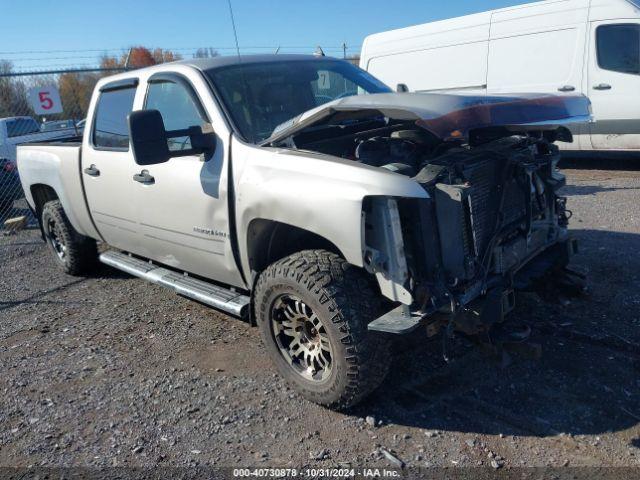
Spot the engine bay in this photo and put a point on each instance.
(493, 195)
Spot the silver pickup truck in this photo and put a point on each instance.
(303, 194)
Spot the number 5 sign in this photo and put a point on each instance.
(45, 100)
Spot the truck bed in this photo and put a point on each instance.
(57, 164)
(62, 142)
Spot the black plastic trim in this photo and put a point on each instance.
(120, 84)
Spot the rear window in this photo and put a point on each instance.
(110, 127)
(22, 126)
(619, 48)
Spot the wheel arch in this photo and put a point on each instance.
(269, 241)
(41, 194)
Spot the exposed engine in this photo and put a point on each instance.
(493, 202)
(492, 222)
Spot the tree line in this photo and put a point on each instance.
(76, 87)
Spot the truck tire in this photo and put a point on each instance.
(312, 309)
(75, 253)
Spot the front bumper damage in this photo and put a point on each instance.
(482, 306)
(493, 224)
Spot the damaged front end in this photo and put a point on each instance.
(494, 221)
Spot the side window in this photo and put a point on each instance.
(110, 128)
(619, 48)
(179, 108)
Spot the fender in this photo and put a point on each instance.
(314, 192)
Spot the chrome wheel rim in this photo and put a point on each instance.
(301, 338)
(56, 239)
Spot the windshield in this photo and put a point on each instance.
(22, 126)
(261, 96)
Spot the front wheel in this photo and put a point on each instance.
(75, 253)
(312, 309)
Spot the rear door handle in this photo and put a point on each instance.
(566, 88)
(602, 86)
(92, 171)
(144, 177)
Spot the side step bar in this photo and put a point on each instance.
(205, 292)
(397, 321)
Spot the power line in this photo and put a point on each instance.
(181, 49)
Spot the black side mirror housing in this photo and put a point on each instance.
(402, 88)
(149, 138)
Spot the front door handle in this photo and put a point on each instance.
(566, 88)
(92, 171)
(602, 86)
(144, 177)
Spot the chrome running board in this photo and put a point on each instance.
(200, 290)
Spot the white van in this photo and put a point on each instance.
(555, 46)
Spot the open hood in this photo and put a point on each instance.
(448, 116)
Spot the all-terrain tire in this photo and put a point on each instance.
(75, 253)
(342, 297)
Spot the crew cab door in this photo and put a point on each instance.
(614, 84)
(108, 166)
(183, 209)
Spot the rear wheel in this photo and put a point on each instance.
(75, 253)
(313, 309)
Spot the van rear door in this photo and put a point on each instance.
(614, 84)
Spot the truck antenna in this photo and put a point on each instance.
(235, 32)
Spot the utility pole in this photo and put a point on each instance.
(344, 50)
(126, 62)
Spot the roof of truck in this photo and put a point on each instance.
(226, 60)
(209, 64)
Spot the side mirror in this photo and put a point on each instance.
(402, 88)
(148, 137)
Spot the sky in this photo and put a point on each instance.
(44, 34)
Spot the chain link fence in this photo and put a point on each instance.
(38, 107)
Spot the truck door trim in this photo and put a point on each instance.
(120, 84)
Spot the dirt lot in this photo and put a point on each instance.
(112, 371)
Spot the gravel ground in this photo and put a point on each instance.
(112, 371)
